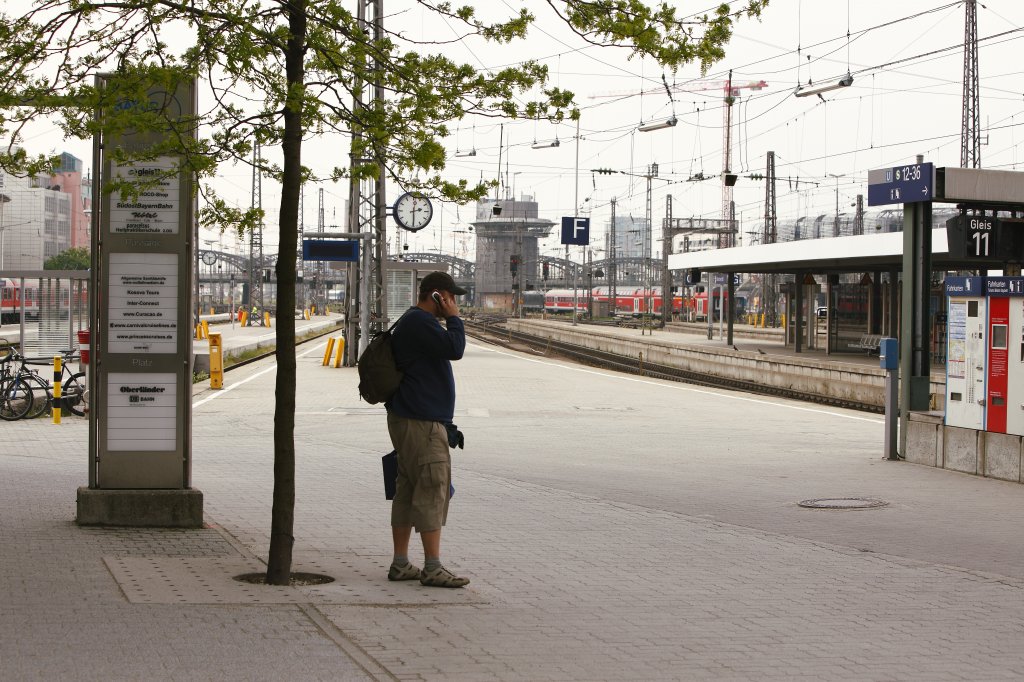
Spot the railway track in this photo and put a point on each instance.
(492, 330)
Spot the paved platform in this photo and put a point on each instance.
(614, 528)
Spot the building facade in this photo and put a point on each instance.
(630, 234)
(35, 223)
(507, 251)
(70, 179)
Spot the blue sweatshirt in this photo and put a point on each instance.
(423, 351)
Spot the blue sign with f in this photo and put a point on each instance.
(576, 231)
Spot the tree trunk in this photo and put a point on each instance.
(279, 563)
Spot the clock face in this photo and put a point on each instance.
(413, 211)
(209, 257)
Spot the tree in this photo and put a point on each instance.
(76, 258)
(283, 71)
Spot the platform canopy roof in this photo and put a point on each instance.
(834, 254)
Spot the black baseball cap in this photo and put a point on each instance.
(440, 281)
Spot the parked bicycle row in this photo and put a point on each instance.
(26, 392)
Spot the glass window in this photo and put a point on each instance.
(999, 336)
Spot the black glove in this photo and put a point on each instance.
(455, 437)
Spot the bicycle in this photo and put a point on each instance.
(15, 393)
(18, 398)
(74, 390)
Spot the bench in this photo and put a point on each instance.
(868, 342)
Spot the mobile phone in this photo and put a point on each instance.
(437, 297)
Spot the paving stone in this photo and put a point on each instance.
(614, 528)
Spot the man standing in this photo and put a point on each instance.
(419, 414)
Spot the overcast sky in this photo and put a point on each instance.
(906, 99)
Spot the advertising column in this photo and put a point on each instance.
(140, 423)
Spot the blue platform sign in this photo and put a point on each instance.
(1004, 286)
(576, 231)
(971, 287)
(908, 184)
(330, 250)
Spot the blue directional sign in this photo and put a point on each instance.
(901, 185)
(576, 231)
(330, 250)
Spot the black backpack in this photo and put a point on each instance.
(379, 376)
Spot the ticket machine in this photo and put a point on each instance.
(1005, 366)
(966, 350)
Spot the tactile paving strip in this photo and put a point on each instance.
(358, 580)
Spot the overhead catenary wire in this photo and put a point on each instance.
(609, 134)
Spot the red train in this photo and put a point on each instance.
(11, 296)
(628, 300)
(10, 302)
(698, 305)
(635, 302)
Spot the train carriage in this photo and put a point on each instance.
(562, 301)
(11, 296)
(54, 298)
(698, 305)
(629, 301)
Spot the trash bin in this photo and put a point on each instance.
(83, 345)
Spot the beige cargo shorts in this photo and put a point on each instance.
(424, 473)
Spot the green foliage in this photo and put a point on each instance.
(238, 49)
(76, 258)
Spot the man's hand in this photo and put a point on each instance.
(448, 307)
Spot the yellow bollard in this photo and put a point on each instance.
(327, 353)
(266, 320)
(216, 361)
(341, 351)
(312, 310)
(305, 313)
(57, 371)
(206, 329)
(211, 311)
(244, 319)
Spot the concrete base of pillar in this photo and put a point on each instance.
(140, 508)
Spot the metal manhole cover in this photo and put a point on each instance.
(843, 503)
(613, 408)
